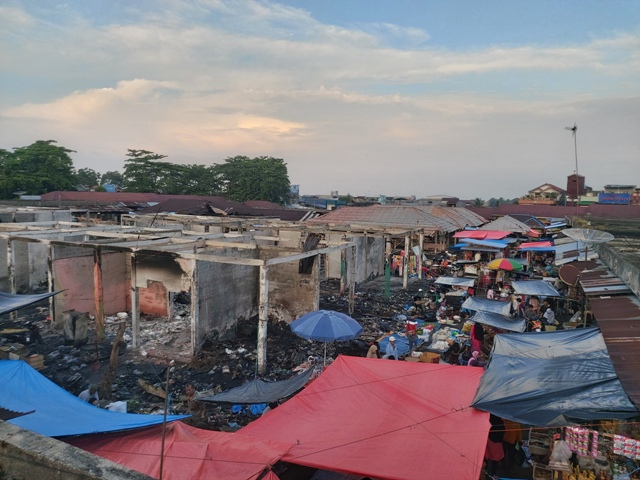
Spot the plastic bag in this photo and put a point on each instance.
(561, 454)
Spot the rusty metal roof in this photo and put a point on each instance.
(6, 414)
(619, 321)
(596, 279)
(430, 219)
(559, 211)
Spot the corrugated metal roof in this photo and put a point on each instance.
(559, 211)
(507, 223)
(619, 321)
(596, 279)
(389, 216)
(6, 414)
(461, 217)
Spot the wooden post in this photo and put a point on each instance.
(51, 284)
(135, 303)
(420, 276)
(387, 267)
(263, 319)
(352, 277)
(405, 270)
(98, 293)
(343, 271)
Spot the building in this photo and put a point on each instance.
(545, 194)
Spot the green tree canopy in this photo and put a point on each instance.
(260, 178)
(87, 177)
(143, 172)
(36, 169)
(478, 202)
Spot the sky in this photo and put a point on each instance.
(364, 97)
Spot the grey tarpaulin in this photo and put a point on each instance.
(535, 287)
(456, 282)
(500, 321)
(552, 379)
(10, 302)
(486, 305)
(259, 391)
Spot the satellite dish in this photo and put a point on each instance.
(588, 235)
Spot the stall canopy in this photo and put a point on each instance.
(552, 379)
(502, 322)
(456, 281)
(535, 287)
(189, 453)
(499, 244)
(259, 391)
(57, 412)
(363, 415)
(486, 305)
(10, 302)
(544, 246)
(482, 234)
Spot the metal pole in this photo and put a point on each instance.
(164, 421)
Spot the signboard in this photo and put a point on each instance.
(614, 198)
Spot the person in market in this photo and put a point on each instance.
(491, 294)
(374, 348)
(391, 352)
(90, 395)
(494, 452)
(549, 315)
(476, 360)
(531, 316)
(411, 331)
(477, 337)
(512, 437)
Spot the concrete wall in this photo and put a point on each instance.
(21, 263)
(38, 266)
(174, 273)
(628, 273)
(27, 455)
(334, 258)
(226, 293)
(73, 272)
(291, 294)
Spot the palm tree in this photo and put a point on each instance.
(478, 202)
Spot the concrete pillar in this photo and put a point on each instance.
(98, 292)
(420, 276)
(51, 283)
(263, 318)
(11, 272)
(343, 270)
(195, 307)
(135, 303)
(407, 253)
(352, 277)
(387, 267)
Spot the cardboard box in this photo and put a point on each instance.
(430, 357)
(36, 361)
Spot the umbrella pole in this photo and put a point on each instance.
(324, 363)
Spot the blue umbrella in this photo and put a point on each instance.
(326, 326)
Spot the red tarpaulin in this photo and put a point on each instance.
(482, 234)
(544, 244)
(384, 419)
(190, 453)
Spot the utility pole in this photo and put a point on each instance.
(574, 129)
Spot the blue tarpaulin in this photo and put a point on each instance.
(552, 379)
(497, 320)
(58, 413)
(486, 305)
(10, 302)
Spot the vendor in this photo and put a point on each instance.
(90, 395)
(374, 348)
(411, 331)
(391, 351)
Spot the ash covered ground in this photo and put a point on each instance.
(219, 365)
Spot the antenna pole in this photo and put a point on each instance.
(574, 129)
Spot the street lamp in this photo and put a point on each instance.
(574, 129)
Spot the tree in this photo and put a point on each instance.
(142, 172)
(260, 178)
(478, 202)
(112, 178)
(87, 177)
(36, 169)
